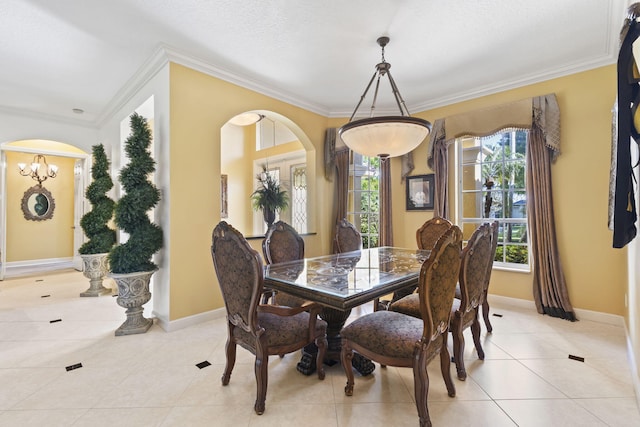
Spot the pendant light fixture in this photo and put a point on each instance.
(384, 136)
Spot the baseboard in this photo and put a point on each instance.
(581, 314)
(19, 268)
(185, 322)
(635, 375)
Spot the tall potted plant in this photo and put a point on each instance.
(131, 262)
(94, 224)
(269, 196)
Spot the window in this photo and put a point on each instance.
(491, 186)
(298, 192)
(364, 197)
(290, 171)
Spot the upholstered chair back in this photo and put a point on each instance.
(239, 270)
(438, 278)
(282, 243)
(347, 238)
(476, 257)
(431, 231)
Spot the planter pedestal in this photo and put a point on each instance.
(133, 292)
(95, 268)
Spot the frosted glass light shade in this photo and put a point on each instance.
(386, 136)
(245, 119)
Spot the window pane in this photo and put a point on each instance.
(516, 254)
(472, 205)
(467, 230)
(472, 177)
(491, 185)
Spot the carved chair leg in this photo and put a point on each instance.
(475, 332)
(322, 345)
(485, 315)
(445, 367)
(261, 365)
(458, 349)
(421, 388)
(346, 356)
(230, 350)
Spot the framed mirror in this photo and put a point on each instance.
(38, 204)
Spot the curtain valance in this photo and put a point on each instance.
(543, 110)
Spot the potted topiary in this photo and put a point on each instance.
(94, 224)
(269, 196)
(131, 262)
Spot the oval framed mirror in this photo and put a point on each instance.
(38, 204)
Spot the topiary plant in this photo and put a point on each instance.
(145, 238)
(94, 223)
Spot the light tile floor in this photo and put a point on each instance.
(151, 379)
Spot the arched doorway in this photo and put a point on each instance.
(29, 243)
(279, 142)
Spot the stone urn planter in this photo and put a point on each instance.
(133, 293)
(95, 269)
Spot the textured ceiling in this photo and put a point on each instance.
(65, 54)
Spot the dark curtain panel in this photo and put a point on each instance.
(438, 160)
(549, 286)
(386, 227)
(330, 153)
(342, 189)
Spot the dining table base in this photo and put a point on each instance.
(335, 322)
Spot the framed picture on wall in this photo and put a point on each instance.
(420, 192)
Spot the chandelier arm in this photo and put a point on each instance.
(396, 94)
(375, 96)
(363, 96)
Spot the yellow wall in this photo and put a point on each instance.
(200, 105)
(52, 238)
(595, 273)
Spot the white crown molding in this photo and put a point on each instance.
(18, 112)
(513, 84)
(174, 55)
(165, 54)
(145, 73)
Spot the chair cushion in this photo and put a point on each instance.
(386, 333)
(283, 298)
(409, 305)
(283, 330)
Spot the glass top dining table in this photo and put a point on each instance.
(346, 280)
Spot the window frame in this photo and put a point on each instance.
(357, 216)
(460, 192)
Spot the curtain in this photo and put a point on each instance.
(438, 161)
(407, 165)
(342, 189)
(336, 164)
(549, 287)
(542, 116)
(386, 228)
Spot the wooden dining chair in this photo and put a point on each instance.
(395, 339)
(495, 226)
(426, 237)
(429, 233)
(282, 243)
(347, 237)
(263, 330)
(465, 311)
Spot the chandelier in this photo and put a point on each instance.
(384, 136)
(39, 170)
